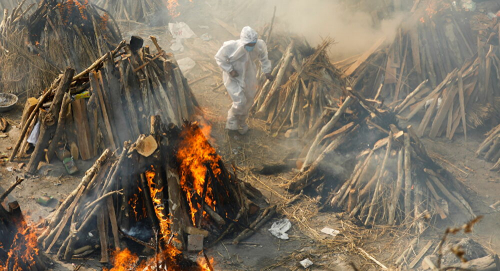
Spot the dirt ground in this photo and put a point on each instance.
(256, 149)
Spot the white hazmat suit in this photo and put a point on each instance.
(243, 88)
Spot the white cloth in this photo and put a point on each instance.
(33, 137)
(243, 88)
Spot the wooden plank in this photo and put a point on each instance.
(114, 93)
(401, 73)
(363, 58)
(390, 70)
(82, 128)
(420, 255)
(427, 117)
(114, 224)
(446, 104)
(450, 120)
(415, 49)
(462, 103)
(96, 88)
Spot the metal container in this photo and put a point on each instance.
(7, 101)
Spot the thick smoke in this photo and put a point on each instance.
(353, 28)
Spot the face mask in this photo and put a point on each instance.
(249, 48)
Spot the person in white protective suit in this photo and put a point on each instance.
(237, 58)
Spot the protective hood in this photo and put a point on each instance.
(248, 35)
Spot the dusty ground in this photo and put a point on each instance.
(263, 251)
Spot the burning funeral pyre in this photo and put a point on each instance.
(105, 105)
(169, 192)
(361, 162)
(18, 240)
(36, 47)
(440, 67)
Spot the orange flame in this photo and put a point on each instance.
(125, 260)
(172, 6)
(23, 250)
(194, 154)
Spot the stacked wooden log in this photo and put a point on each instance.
(18, 241)
(465, 98)
(490, 148)
(306, 86)
(433, 41)
(171, 186)
(105, 105)
(436, 62)
(133, 10)
(36, 47)
(362, 163)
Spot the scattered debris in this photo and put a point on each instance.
(280, 227)
(306, 263)
(330, 231)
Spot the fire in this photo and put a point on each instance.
(23, 250)
(164, 220)
(172, 6)
(125, 260)
(167, 257)
(435, 7)
(194, 154)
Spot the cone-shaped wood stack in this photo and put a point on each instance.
(306, 86)
(430, 43)
(438, 61)
(463, 100)
(170, 187)
(106, 105)
(37, 47)
(375, 171)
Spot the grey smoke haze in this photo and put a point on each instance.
(351, 28)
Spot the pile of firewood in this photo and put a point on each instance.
(18, 241)
(490, 148)
(436, 62)
(124, 87)
(133, 10)
(171, 187)
(464, 98)
(429, 44)
(36, 47)
(306, 86)
(386, 177)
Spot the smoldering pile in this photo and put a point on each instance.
(38, 45)
(362, 163)
(306, 88)
(439, 61)
(172, 186)
(105, 105)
